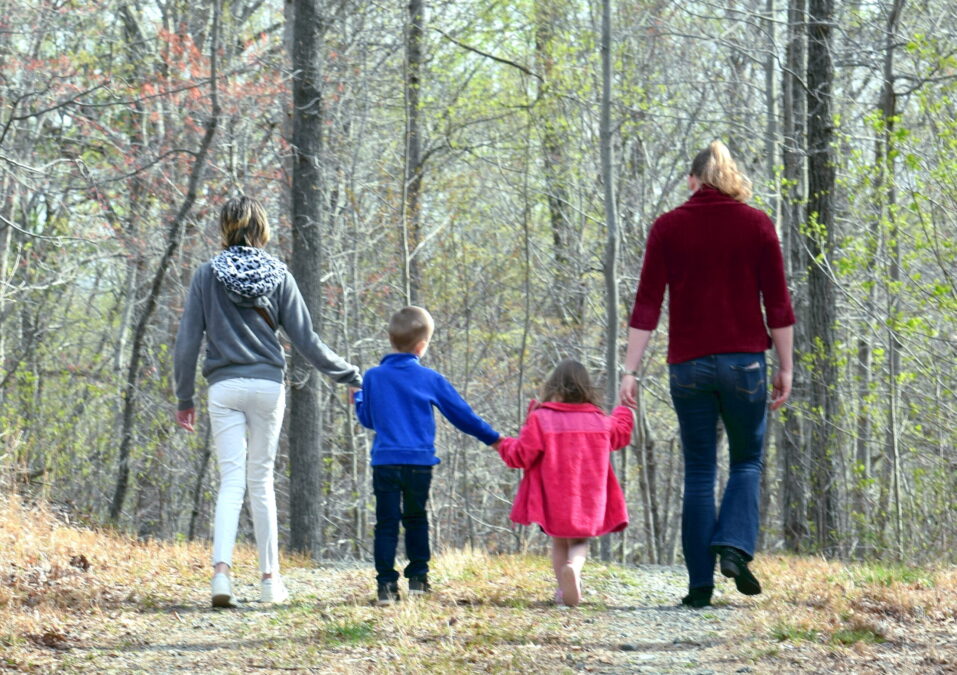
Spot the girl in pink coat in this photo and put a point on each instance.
(569, 488)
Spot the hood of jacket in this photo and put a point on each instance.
(248, 273)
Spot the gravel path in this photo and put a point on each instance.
(628, 623)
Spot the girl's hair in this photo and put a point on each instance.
(570, 383)
(242, 222)
(714, 166)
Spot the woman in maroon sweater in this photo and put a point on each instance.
(720, 260)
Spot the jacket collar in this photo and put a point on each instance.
(709, 195)
(399, 359)
(569, 407)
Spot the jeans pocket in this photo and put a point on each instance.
(750, 380)
(681, 377)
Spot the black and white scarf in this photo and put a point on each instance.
(247, 271)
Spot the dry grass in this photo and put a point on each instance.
(79, 599)
(76, 599)
(59, 579)
(851, 616)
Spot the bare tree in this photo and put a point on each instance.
(305, 421)
(825, 445)
(173, 239)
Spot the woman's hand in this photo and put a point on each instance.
(628, 391)
(186, 419)
(781, 388)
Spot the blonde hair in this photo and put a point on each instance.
(714, 166)
(243, 222)
(410, 326)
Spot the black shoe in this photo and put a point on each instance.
(388, 594)
(734, 565)
(419, 585)
(698, 597)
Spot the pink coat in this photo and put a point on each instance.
(569, 487)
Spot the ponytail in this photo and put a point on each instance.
(714, 166)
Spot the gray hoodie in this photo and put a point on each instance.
(222, 301)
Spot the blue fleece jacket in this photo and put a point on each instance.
(396, 401)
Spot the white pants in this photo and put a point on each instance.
(246, 418)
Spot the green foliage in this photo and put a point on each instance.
(347, 632)
(787, 632)
(850, 636)
(889, 574)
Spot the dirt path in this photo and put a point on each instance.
(475, 621)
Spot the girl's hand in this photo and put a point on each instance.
(628, 391)
(186, 419)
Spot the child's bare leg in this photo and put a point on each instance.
(559, 555)
(568, 558)
(577, 552)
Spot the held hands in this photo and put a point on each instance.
(780, 388)
(627, 393)
(186, 419)
(352, 394)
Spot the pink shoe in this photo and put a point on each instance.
(569, 586)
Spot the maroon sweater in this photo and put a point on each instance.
(719, 259)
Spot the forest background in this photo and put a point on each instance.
(466, 156)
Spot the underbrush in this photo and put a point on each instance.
(59, 577)
(814, 602)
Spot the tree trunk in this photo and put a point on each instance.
(568, 294)
(305, 422)
(611, 240)
(887, 197)
(820, 242)
(173, 238)
(794, 497)
(412, 175)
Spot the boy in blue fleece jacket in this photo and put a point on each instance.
(396, 401)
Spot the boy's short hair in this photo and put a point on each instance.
(408, 327)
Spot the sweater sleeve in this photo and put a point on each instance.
(295, 319)
(451, 404)
(189, 336)
(524, 451)
(774, 288)
(651, 284)
(363, 411)
(621, 423)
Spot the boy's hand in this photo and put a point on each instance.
(352, 394)
(496, 443)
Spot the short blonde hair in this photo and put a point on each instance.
(714, 166)
(243, 222)
(410, 326)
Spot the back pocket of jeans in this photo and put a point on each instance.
(681, 376)
(749, 381)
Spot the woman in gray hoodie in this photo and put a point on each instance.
(238, 300)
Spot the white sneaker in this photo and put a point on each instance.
(273, 590)
(223, 591)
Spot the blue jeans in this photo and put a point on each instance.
(734, 388)
(401, 492)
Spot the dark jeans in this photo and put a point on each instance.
(401, 491)
(734, 388)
